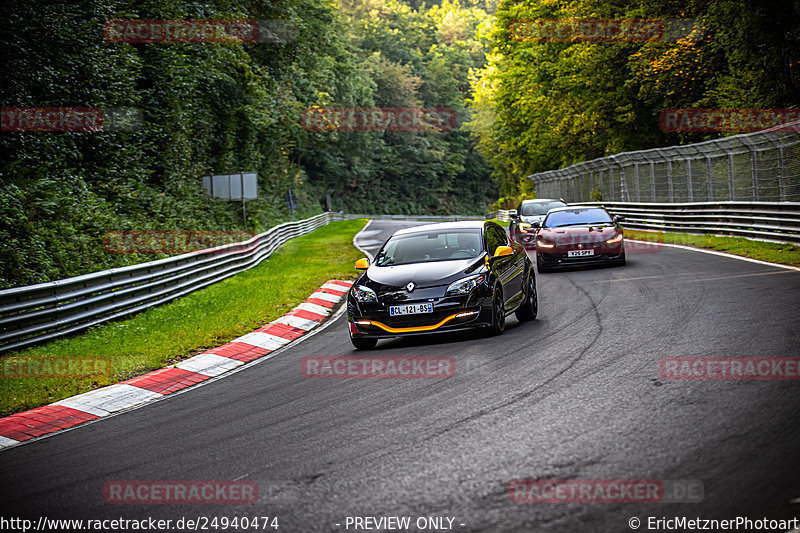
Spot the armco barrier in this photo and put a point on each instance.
(46, 311)
(779, 221)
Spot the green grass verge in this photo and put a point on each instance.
(202, 320)
(785, 254)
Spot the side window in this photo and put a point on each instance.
(494, 238)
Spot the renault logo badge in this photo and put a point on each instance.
(410, 286)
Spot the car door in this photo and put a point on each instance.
(504, 267)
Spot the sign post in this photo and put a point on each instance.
(291, 202)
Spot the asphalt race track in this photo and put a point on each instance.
(577, 394)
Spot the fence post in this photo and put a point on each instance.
(710, 181)
(669, 180)
(754, 170)
(781, 184)
(611, 182)
(730, 176)
(689, 179)
(652, 181)
(636, 175)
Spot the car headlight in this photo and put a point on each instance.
(525, 227)
(464, 286)
(543, 244)
(364, 294)
(615, 240)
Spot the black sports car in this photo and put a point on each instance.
(528, 213)
(579, 235)
(438, 278)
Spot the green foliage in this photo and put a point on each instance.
(220, 108)
(544, 105)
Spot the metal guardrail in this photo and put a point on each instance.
(760, 220)
(46, 311)
(502, 215)
(760, 166)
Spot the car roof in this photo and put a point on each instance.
(443, 226)
(576, 208)
(542, 200)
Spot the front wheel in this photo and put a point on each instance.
(363, 344)
(540, 267)
(530, 307)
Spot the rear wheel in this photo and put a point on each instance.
(530, 307)
(498, 313)
(364, 344)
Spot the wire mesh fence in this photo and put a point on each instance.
(762, 166)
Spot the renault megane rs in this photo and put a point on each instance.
(439, 278)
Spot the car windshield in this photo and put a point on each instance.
(533, 209)
(449, 245)
(577, 217)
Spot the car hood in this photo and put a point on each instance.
(433, 274)
(532, 218)
(579, 234)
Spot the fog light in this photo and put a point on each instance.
(466, 314)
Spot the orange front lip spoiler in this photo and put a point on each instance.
(413, 329)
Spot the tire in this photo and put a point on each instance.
(498, 313)
(622, 261)
(364, 344)
(541, 268)
(530, 307)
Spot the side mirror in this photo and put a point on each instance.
(512, 214)
(362, 264)
(619, 218)
(502, 251)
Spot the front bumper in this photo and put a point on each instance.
(452, 313)
(558, 256)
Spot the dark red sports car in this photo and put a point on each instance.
(579, 235)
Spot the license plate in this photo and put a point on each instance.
(411, 309)
(579, 253)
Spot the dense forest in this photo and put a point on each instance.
(213, 108)
(544, 104)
